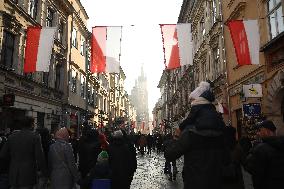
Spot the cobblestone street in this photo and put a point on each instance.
(150, 174)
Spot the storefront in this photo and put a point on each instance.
(246, 105)
(274, 108)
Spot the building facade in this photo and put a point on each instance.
(69, 94)
(76, 86)
(209, 50)
(209, 61)
(37, 94)
(269, 73)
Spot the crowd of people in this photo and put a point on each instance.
(213, 157)
(37, 159)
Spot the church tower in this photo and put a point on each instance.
(139, 98)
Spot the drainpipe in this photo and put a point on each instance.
(69, 72)
(224, 61)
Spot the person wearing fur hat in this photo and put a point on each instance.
(201, 142)
(203, 112)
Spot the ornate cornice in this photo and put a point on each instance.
(240, 7)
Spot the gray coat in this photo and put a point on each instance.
(62, 165)
(24, 150)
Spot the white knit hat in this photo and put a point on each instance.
(202, 87)
(117, 134)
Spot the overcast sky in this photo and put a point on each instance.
(141, 43)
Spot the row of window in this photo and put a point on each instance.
(90, 93)
(33, 6)
(275, 17)
(213, 14)
(75, 41)
(8, 47)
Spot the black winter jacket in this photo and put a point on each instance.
(203, 158)
(120, 158)
(266, 163)
(88, 154)
(203, 117)
(4, 162)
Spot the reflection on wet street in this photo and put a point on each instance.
(150, 173)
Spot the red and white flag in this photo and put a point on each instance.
(246, 40)
(178, 45)
(222, 109)
(38, 49)
(133, 124)
(106, 49)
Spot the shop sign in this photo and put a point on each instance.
(252, 91)
(252, 110)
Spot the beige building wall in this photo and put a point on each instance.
(267, 74)
(38, 94)
(237, 76)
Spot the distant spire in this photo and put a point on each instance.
(142, 70)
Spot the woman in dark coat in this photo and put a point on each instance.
(202, 144)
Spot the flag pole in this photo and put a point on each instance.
(87, 76)
(167, 71)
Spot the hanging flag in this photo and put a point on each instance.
(222, 109)
(38, 49)
(246, 40)
(177, 44)
(106, 49)
(143, 125)
(133, 125)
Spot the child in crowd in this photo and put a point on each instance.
(99, 174)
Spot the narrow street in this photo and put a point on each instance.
(150, 173)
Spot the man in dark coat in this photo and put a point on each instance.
(89, 148)
(120, 158)
(149, 144)
(132, 158)
(4, 164)
(232, 173)
(266, 159)
(202, 144)
(26, 155)
(170, 166)
(46, 141)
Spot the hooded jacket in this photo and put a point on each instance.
(266, 163)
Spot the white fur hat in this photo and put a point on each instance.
(202, 87)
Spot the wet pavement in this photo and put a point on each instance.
(150, 173)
